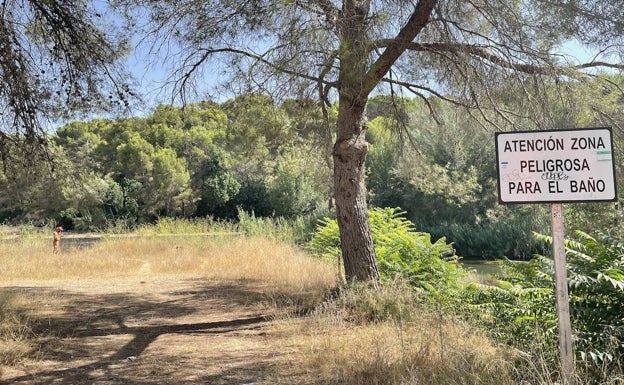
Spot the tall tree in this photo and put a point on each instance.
(461, 51)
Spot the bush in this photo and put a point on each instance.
(596, 280)
(521, 309)
(401, 251)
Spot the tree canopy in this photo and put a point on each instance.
(467, 53)
(457, 50)
(57, 58)
(498, 60)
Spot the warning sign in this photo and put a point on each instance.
(556, 166)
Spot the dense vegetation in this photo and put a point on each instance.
(251, 155)
(430, 171)
(206, 159)
(516, 307)
(428, 313)
(433, 186)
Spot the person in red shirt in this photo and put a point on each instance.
(56, 242)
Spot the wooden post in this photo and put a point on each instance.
(563, 301)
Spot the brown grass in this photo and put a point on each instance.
(168, 290)
(282, 276)
(412, 345)
(286, 274)
(186, 256)
(15, 331)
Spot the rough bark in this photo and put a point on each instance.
(356, 81)
(356, 240)
(358, 253)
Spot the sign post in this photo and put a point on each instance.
(557, 166)
(563, 301)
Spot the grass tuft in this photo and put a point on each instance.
(378, 337)
(15, 329)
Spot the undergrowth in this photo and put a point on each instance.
(16, 335)
(413, 328)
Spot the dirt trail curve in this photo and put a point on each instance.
(155, 332)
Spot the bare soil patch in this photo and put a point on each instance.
(159, 331)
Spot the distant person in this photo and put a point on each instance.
(56, 242)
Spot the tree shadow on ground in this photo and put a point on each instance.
(102, 338)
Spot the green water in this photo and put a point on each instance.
(484, 268)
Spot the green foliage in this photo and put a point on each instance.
(169, 183)
(215, 182)
(596, 282)
(27, 229)
(58, 59)
(217, 191)
(291, 194)
(521, 308)
(295, 231)
(134, 157)
(509, 237)
(444, 179)
(211, 159)
(206, 159)
(299, 183)
(164, 153)
(167, 225)
(256, 129)
(402, 252)
(325, 242)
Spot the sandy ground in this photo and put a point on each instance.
(164, 331)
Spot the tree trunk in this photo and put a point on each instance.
(356, 240)
(349, 155)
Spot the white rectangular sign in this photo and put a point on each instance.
(555, 166)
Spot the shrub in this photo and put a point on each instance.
(596, 281)
(521, 308)
(401, 251)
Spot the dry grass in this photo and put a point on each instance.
(284, 276)
(361, 337)
(387, 353)
(184, 256)
(15, 331)
(413, 345)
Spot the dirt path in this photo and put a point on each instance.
(166, 331)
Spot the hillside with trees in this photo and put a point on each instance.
(253, 155)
